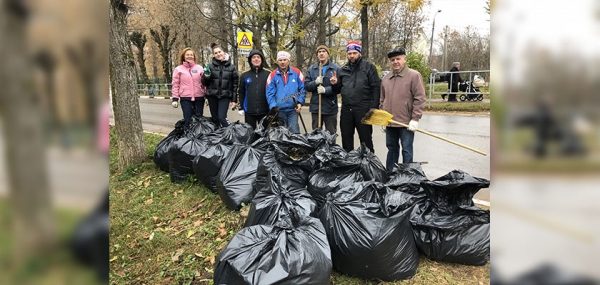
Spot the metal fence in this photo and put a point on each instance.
(154, 89)
(439, 78)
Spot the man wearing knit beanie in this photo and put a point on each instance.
(317, 82)
(285, 91)
(359, 85)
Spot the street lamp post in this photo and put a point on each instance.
(431, 43)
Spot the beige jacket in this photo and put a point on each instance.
(403, 95)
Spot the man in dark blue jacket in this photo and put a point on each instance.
(359, 85)
(285, 91)
(317, 82)
(252, 89)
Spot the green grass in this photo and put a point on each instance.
(56, 266)
(165, 233)
(472, 107)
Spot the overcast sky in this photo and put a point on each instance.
(457, 14)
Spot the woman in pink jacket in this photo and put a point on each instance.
(187, 86)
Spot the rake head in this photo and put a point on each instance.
(377, 117)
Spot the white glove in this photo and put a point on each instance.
(413, 125)
(321, 90)
(319, 80)
(175, 104)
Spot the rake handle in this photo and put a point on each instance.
(442, 138)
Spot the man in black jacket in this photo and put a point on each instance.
(360, 85)
(252, 89)
(317, 82)
(453, 80)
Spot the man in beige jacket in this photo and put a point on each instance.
(403, 95)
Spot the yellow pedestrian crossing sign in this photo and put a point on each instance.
(244, 40)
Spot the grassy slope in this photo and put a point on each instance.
(165, 233)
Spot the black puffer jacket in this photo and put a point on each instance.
(252, 90)
(223, 80)
(359, 85)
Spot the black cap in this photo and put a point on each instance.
(396, 51)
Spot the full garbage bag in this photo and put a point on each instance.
(199, 126)
(371, 166)
(207, 164)
(331, 179)
(276, 200)
(237, 175)
(235, 133)
(369, 232)
(448, 226)
(181, 157)
(291, 252)
(407, 177)
(161, 153)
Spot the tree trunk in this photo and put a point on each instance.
(299, 54)
(128, 122)
(26, 164)
(364, 23)
(321, 30)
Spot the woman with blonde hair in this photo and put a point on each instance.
(188, 89)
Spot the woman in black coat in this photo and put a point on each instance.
(221, 81)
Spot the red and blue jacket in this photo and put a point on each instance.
(285, 90)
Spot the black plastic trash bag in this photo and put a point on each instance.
(276, 200)
(89, 242)
(207, 164)
(369, 232)
(295, 176)
(161, 154)
(407, 177)
(237, 175)
(287, 253)
(448, 226)
(371, 166)
(331, 179)
(235, 133)
(319, 137)
(330, 155)
(181, 157)
(454, 190)
(200, 126)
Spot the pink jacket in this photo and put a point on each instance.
(187, 81)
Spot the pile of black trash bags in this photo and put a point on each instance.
(314, 207)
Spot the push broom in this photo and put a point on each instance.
(378, 117)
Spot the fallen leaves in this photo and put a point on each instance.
(177, 255)
(190, 233)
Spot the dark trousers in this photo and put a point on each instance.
(330, 122)
(218, 110)
(350, 120)
(190, 108)
(406, 138)
(252, 120)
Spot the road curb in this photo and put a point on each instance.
(155, 97)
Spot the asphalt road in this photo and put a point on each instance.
(441, 157)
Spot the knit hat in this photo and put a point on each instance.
(322, 47)
(283, 55)
(354, 45)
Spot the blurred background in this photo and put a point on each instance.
(546, 133)
(53, 150)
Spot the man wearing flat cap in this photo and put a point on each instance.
(317, 82)
(402, 95)
(359, 85)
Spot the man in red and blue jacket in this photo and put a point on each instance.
(285, 91)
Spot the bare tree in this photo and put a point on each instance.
(29, 193)
(165, 41)
(128, 121)
(139, 41)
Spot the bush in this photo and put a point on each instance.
(418, 62)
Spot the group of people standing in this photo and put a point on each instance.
(282, 91)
